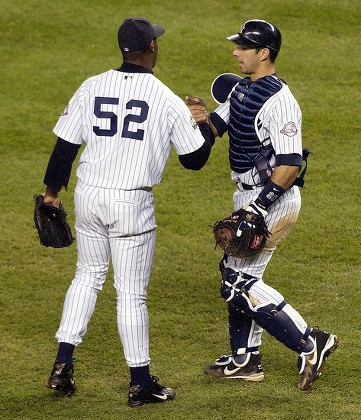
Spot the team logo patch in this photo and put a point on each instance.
(65, 112)
(289, 129)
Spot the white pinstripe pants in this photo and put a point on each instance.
(120, 225)
(280, 219)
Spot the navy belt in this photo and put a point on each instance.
(245, 186)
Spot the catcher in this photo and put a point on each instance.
(263, 121)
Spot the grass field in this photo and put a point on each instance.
(48, 48)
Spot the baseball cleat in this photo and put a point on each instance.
(155, 394)
(227, 367)
(61, 379)
(310, 365)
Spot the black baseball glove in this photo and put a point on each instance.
(50, 222)
(242, 234)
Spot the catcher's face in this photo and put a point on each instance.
(249, 59)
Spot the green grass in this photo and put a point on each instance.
(48, 49)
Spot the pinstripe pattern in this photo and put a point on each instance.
(280, 221)
(129, 122)
(106, 226)
(277, 122)
(277, 112)
(121, 162)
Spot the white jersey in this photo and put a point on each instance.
(279, 122)
(129, 122)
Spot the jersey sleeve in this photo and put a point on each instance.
(185, 134)
(69, 125)
(286, 126)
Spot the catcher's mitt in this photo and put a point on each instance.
(242, 234)
(50, 221)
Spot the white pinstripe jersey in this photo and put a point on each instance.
(129, 122)
(279, 121)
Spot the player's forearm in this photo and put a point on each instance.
(213, 128)
(197, 159)
(282, 178)
(284, 175)
(50, 192)
(60, 163)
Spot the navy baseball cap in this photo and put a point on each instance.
(135, 34)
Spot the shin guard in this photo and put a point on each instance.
(273, 318)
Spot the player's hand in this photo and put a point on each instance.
(196, 100)
(255, 208)
(51, 197)
(198, 108)
(51, 200)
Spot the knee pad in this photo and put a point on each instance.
(222, 263)
(229, 279)
(234, 285)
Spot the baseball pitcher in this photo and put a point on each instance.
(127, 120)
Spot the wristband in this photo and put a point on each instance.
(270, 193)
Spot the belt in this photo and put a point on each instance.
(242, 186)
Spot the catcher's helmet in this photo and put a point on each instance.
(258, 33)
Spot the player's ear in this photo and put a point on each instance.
(153, 45)
(264, 53)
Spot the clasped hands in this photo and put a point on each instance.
(198, 108)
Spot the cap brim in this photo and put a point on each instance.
(158, 30)
(240, 40)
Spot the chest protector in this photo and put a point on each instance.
(246, 101)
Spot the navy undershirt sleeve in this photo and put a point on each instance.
(60, 163)
(197, 159)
